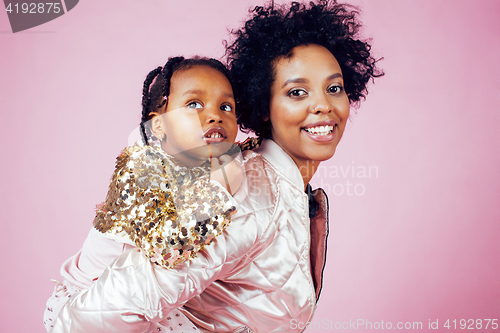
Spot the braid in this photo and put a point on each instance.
(170, 67)
(146, 101)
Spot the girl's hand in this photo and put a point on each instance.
(227, 171)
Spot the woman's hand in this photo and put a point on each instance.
(227, 171)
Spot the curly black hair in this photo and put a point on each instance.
(156, 87)
(273, 31)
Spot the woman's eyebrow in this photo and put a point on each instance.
(334, 76)
(295, 80)
(302, 80)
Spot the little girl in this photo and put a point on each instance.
(297, 70)
(165, 196)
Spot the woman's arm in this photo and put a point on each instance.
(144, 177)
(81, 270)
(134, 295)
(97, 253)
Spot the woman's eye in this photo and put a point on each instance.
(297, 93)
(226, 107)
(335, 89)
(194, 105)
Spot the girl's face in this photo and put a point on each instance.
(199, 121)
(309, 107)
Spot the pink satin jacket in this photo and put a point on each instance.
(263, 274)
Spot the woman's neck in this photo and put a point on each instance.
(307, 169)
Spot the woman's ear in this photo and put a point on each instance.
(157, 128)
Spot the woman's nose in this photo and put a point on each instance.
(321, 105)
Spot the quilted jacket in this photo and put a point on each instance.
(262, 274)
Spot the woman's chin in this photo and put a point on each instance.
(320, 147)
(321, 154)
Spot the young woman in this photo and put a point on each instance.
(297, 70)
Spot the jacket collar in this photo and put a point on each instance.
(281, 161)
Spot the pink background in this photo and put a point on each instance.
(418, 241)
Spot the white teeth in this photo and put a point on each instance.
(320, 130)
(215, 135)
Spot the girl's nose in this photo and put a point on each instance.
(213, 115)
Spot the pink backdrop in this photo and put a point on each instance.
(415, 232)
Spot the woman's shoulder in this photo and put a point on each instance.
(259, 173)
(252, 159)
(268, 160)
(258, 195)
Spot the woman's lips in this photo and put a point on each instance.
(215, 134)
(321, 131)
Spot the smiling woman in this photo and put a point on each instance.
(413, 184)
(263, 272)
(235, 285)
(309, 107)
(297, 69)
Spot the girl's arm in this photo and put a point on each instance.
(169, 211)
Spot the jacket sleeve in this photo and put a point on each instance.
(97, 253)
(81, 270)
(134, 295)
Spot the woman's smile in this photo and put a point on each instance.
(321, 131)
(309, 107)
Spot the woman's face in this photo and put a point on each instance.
(309, 107)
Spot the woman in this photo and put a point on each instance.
(297, 70)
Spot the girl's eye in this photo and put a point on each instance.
(297, 93)
(194, 105)
(336, 89)
(226, 107)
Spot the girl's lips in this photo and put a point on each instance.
(215, 134)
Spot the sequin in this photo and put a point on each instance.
(168, 210)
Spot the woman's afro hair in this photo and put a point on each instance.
(273, 31)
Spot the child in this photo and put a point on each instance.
(297, 68)
(163, 197)
(159, 194)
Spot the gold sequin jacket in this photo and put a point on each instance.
(168, 210)
(262, 274)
